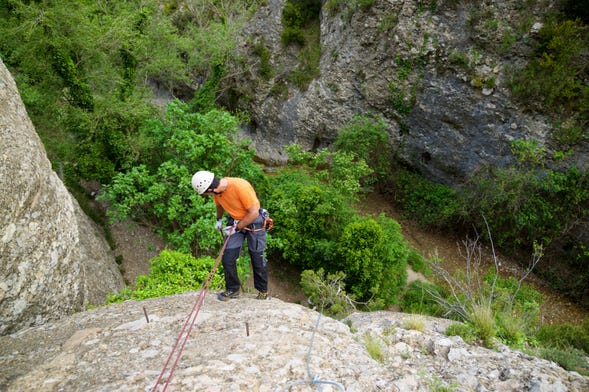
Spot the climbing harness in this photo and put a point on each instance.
(267, 225)
(190, 320)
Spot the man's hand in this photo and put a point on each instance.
(230, 230)
(219, 224)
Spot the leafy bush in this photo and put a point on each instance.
(362, 136)
(319, 228)
(554, 77)
(564, 335)
(418, 263)
(327, 292)
(525, 205)
(309, 216)
(183, 143)
(433, 205)
(373, 255)
(172, 272)
(568, 358)
(528, 203)
(313, 202)
(417, 299)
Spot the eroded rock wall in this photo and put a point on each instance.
(53, 259)
(436, 72)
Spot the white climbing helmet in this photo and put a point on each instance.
(202, 180)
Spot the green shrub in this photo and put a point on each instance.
(373, 255)
(564, 335)
(398, 100)
(309, 217)
(327, 292)
(261, 50)
(465, 331)
(553, 78)
(568, 358)
(523, 205)
(309, 57)
(313, 202)
(417, 299)
(433, 205)
(363, 135)
(296, 15)
(172, 272)
(516, 308)
(418, 263)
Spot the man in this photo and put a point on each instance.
(237, 198)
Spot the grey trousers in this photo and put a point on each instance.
(256, 243)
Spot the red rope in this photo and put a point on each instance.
(190, 320)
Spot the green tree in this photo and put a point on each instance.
(362, 136)
(373, 255)
(86, 69)
(312, 201)
(161, 194)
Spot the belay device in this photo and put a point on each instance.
(268, 222)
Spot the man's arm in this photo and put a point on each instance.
(252, 214)
(220, 211)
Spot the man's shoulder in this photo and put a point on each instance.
(238, 181)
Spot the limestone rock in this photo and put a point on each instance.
(436, 76)
(53, 259)
(251, 345)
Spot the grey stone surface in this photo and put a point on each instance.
(251, 345)
(438, 61)
(53, 259)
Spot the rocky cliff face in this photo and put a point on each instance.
(251, 345)
(435, 74)
(53, 258)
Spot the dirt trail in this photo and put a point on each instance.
(137, 245)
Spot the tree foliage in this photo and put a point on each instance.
(313, 202)
(365, 136)
(318, 228)
(86, 70)
(159, 191)
(373, 254)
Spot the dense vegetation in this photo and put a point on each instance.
(87, 70)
